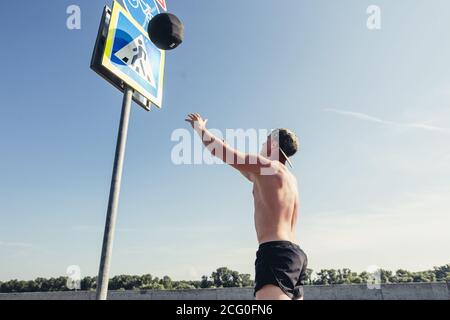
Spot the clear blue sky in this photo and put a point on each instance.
(371, 107)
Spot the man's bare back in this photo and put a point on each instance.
(280, 266)
(276, 205)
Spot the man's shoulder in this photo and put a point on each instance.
(276, 173)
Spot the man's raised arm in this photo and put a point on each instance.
(245, 163)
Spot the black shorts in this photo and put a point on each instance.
(283, 264)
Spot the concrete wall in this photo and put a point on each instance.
(409, 291)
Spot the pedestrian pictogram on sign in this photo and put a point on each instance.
(135, 55)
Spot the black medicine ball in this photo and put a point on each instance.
(166, 31)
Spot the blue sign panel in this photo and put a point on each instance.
(144, 10)
(132, 57)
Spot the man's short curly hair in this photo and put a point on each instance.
(287, 141)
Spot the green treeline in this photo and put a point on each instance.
(225, 278)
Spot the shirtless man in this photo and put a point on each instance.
(280, 263)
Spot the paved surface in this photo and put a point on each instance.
(409, 291)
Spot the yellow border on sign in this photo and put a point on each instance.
(106, 61)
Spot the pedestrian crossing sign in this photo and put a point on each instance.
(131, 56)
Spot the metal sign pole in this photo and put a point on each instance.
(108, 237)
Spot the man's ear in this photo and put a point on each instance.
(273, 147)
(268, 149)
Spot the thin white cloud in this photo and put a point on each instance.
(23, 248)
(16, 244)
(358, 115)
(365, 117)
(427, 127)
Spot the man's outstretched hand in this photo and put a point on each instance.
(196, 121)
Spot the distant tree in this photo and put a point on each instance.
(115, 283)
(364, 276)
(88, 283)
(32, 286)
(146, 280)
(5, 287)
(442, 273)
(424, 276)
(403, 276)
(246, 280)
(235, 280)
(322, 278)
(56, 284)
(125, 282)
(196, 284)
(346, 276)
(166, 282)
(224, 278)
(206, 283)
(183, 285)
(153, 286)
(309, 276)
(37, 284)
(386, 276)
